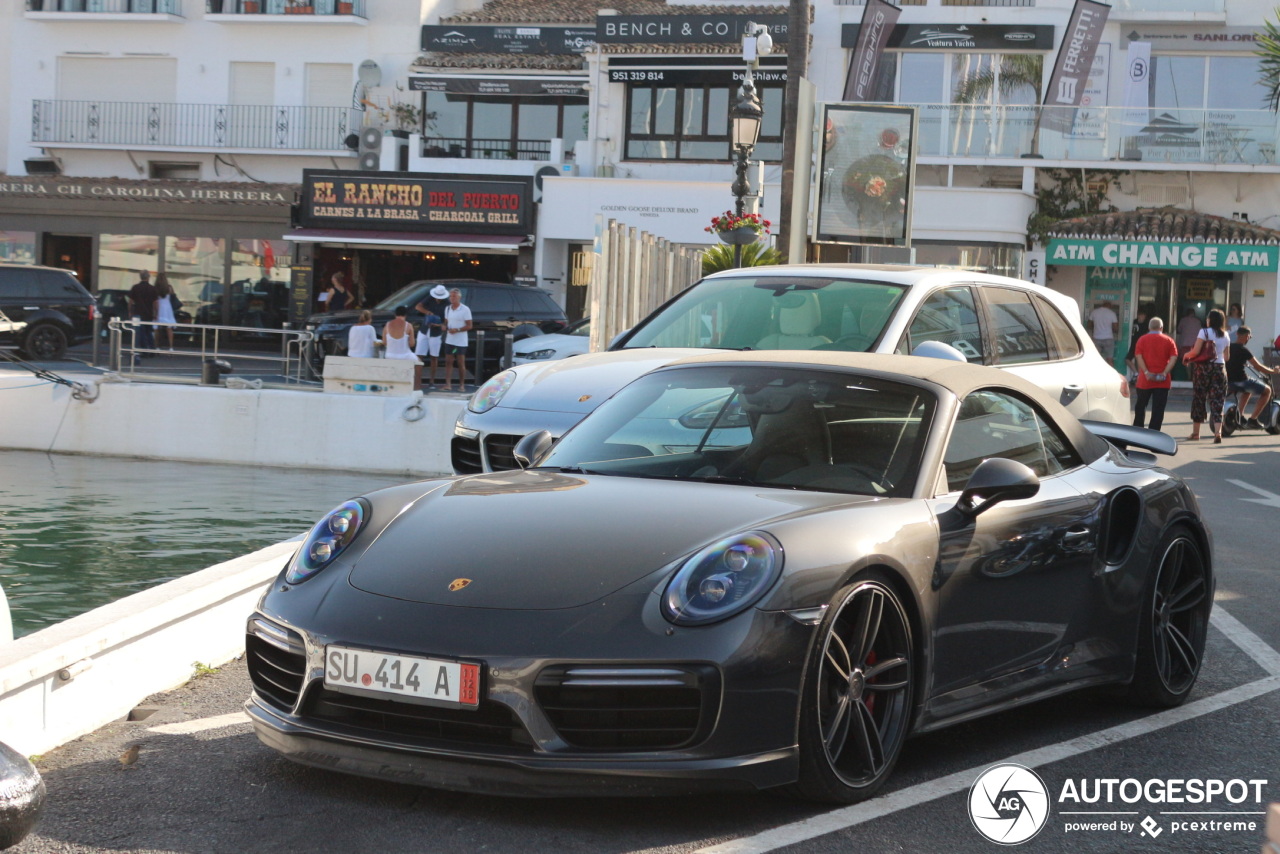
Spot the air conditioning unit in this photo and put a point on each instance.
(551, 170)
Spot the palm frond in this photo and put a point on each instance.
(720, 257)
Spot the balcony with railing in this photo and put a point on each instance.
(97, 10)
(1168, 10)
(285, 10)
(1206, 137)
(487, 149)
(224, 127)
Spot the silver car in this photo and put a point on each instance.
(573, 340)
(1028, 329)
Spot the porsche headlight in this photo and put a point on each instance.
(327, 540)
(488, 395)
(722, 579)
(540, 354)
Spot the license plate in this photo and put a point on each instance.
(436, 681)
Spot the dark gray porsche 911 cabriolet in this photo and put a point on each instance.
(744, 570)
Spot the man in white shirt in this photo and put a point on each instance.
(457, 323)
(1104, 326)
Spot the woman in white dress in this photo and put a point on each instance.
(361, 338)
(397, 335)
(165, 320)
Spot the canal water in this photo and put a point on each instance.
(77, 532)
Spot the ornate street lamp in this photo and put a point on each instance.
(744, 124)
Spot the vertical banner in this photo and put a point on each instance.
(1137, 94)
(1075, 59)
(1033, 262)
(878, 19)
(865, 174)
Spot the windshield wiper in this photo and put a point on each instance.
(575, 470)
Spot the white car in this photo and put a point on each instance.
(1028, 329)
(573, 341)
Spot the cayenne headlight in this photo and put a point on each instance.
(328, 539)
(540, 354)
(488, 395)
(722, 579)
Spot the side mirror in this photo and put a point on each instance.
(993, 481)
(530, 450)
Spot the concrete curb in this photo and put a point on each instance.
(74, 677)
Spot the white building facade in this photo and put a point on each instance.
(173, 135)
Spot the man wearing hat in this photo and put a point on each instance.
(430, 333)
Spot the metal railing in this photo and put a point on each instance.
(487, 149)
(145, 7)
(1120, 7)
(206, 342)
(232, 126)
(1099, 133)
(286, 7)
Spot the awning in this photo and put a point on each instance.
(490, 243)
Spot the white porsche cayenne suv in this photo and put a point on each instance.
(1028, 329)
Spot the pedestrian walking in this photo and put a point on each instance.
(1208, 361)
(142, 308)
(166, 303)
(1154, 355)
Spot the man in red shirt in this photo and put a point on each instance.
(1155, 355)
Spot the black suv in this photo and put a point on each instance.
(43, 310)
(496, 308)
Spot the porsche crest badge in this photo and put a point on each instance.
(458, 583)
(584, 398)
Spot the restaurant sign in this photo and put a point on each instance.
(535, 40)
(1224, 257)
(410, 202)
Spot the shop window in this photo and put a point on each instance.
(122, 257)
(260, 273)
(692, 122)
(502, 127)
(18, 247)
(194, 267)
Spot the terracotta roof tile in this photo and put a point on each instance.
(1164, 224)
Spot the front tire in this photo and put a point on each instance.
(1174, 623)
(857, 695)
(45, 343)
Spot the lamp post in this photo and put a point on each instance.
(744, 123)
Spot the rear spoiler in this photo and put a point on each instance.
(1123, 435)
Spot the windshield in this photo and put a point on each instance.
(757, 425)
(773, 313)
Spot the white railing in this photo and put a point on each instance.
(1100, 133)
(207, 341)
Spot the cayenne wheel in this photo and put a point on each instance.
(1174, 622)
(45, 343)
(856, 707)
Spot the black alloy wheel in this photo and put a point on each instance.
(45, 343)
(1175, 622)
(858, 691)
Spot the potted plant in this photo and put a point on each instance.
(296, 8)
(345, 8)
(250, 7)
(404, 117)
(738, 229)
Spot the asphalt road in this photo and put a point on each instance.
(218, 790)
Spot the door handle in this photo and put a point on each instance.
(1078, 540)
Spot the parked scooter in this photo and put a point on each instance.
(1233, 419)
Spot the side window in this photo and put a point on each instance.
(19, 283)
(948, 316)
(998, 424)
(532, 302)
(60, 284)
(1061, 336)
(497, 301)
(1019, 336)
